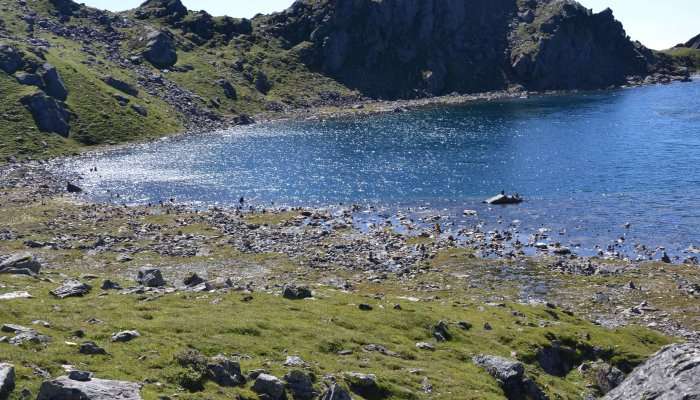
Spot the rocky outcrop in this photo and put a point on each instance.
(511, 377)
(673, 373)
(65, 388)
(160, 49)
(411, 48)
(171, 10)
(150, 277)
(10, 59)
(53, 83)
(693, 43)
(7, 380)
(20, 264)
(335, 392)
(49, 114)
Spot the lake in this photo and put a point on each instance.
(587, 164)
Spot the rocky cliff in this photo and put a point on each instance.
(408, 48)
(693, 43)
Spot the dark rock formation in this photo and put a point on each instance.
(300, 384)
(121, 85)
(411, 48)
(7, 380)
(269, 386)
(20, 264)
(225, 372)
(53, 83)
(292, 292)
(510, 375)
(171, 10)
(336, 392)
(49, 114)
(150, 277)
(10, 59)
(673, 373)
(160, 49)
(229, 90)
(64, 388)
(693, 43)
(71, 289)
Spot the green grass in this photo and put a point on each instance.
(686, 56)
(269, 328)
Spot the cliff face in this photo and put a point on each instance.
(407, 48)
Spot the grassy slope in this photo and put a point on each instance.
(686, 56)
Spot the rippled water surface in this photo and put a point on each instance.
(587, 164)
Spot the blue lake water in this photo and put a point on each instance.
(586, 163)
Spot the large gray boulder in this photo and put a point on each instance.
(7, 379)
(510, 375)
(65, 388)
(71, 289)
(49, 114)
(20, 264)
(53, 83)
(300, 384)
(150, 277)
(270, 386)
(11, 59)
(225, 372)
(671, 374)
(160, 50)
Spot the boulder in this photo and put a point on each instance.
(73, 188)
(53, 84)
(91, 348)
(120, 85)
(510, 375)
(150, 277)
(49, 114)
(25, 78)
(125, 336)
(171, 10)
(269, 386)
(262, 82)
(71, 289)
(300, 384)
(7, 379)
(64, 388)
(110, 285)
(160, 50)
(11, 59)
(441, 332)
(193, 280)
(22, 263)
(672, 373)
(292, 292)
(229, 90)
(556, 360)
(365, 385)
(30, 336)
(225, 372)
(140, 110)
(335, 392)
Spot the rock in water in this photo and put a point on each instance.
(671, 374)
(269, 385)
(150, 277)
(71, 289)
(510, 374)
(7, 379)
(23, 263)
(160, 50)
(65, 388)
(49, 114)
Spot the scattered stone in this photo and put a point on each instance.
(71, 289)
(464, 325)
(270, 386)
(487, 326)
(27, 79)
(556, 360)
(30, 336)
(64, 388)
(294, 361)
(292, 292)
(140, 110)
(91, 348)
(15, 295)
(511, 377)
(11, 328)
(11, 59)
(125, 336)
(225, 372)
(672, 373)
(150, 277)
(20, 264)
(7, 379)
(301, 385)
(229, 90)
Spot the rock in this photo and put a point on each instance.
(441, 332)
(425, 346)
(556, 360)
(65, 388)
(53, 84)
(225, 372)
(120, 85)
(193, 280)
(160, 50)
(91, 348)
(292, 292)
(140, 110)
(229, 90)
(49, 114)
(608, 377)
(29, 79)
(300, 384)
(110, 285)
(11, 59)
(365, 307)
(335, 392)
(262, 82)
(270, 386)
(294, 361)
(80, 376)
(30, 336)
(21, 264)
(511, 377)
(16, 295)
(150, 277)
(672, 373)
(72, 188)
(7, 380)
(11, 328)
(125, 336)
(365, 385)
(71, 289)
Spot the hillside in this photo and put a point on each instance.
(687, 54)
(73, 76)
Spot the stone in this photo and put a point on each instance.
(120, 85)
(12, 328)
(365, 307)
(30, 336)
(16, 295)
(365, 385)
(125, 336)
(27, 79)
(73, 188)
(71, 289)
(7, 379)
(110, 285)
(140, 110)
(64, 388)
(150, 277)
(294, 361)
(441, 332)
(425, 346)
(53, 83)
(11, 59)
(81, 376)
(160, 50)
(608, 377)
(262, 82)
(510, 375)
(335, 392)
(270, 386)
(672, 373)
(229, 90)
(556, 360)
(193, 280)
(92, 349)
(292, 292)
(23, 263)
(300, 384)
(225, 372)
(49, 114)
